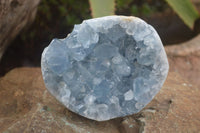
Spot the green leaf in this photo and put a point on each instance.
(102, 8)
(186, 10)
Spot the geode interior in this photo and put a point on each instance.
(106, 68)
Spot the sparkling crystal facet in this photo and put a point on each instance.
(106, 68)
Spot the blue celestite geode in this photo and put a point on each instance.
(106, 68)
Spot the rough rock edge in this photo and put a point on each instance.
(184, 49)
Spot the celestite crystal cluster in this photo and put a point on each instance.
(106, 68)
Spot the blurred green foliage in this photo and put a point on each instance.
(56, 18)
(145, 9)
(100, 8)
(186, 10)
(140, 8)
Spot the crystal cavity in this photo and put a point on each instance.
(106, 67)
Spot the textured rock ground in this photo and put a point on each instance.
(26, 106)
(184, 59)
(14, 15)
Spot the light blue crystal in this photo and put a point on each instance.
(106, 68)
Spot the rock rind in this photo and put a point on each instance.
(106, 68)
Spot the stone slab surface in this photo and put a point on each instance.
(26, 106)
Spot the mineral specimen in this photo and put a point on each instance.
(106, 68)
